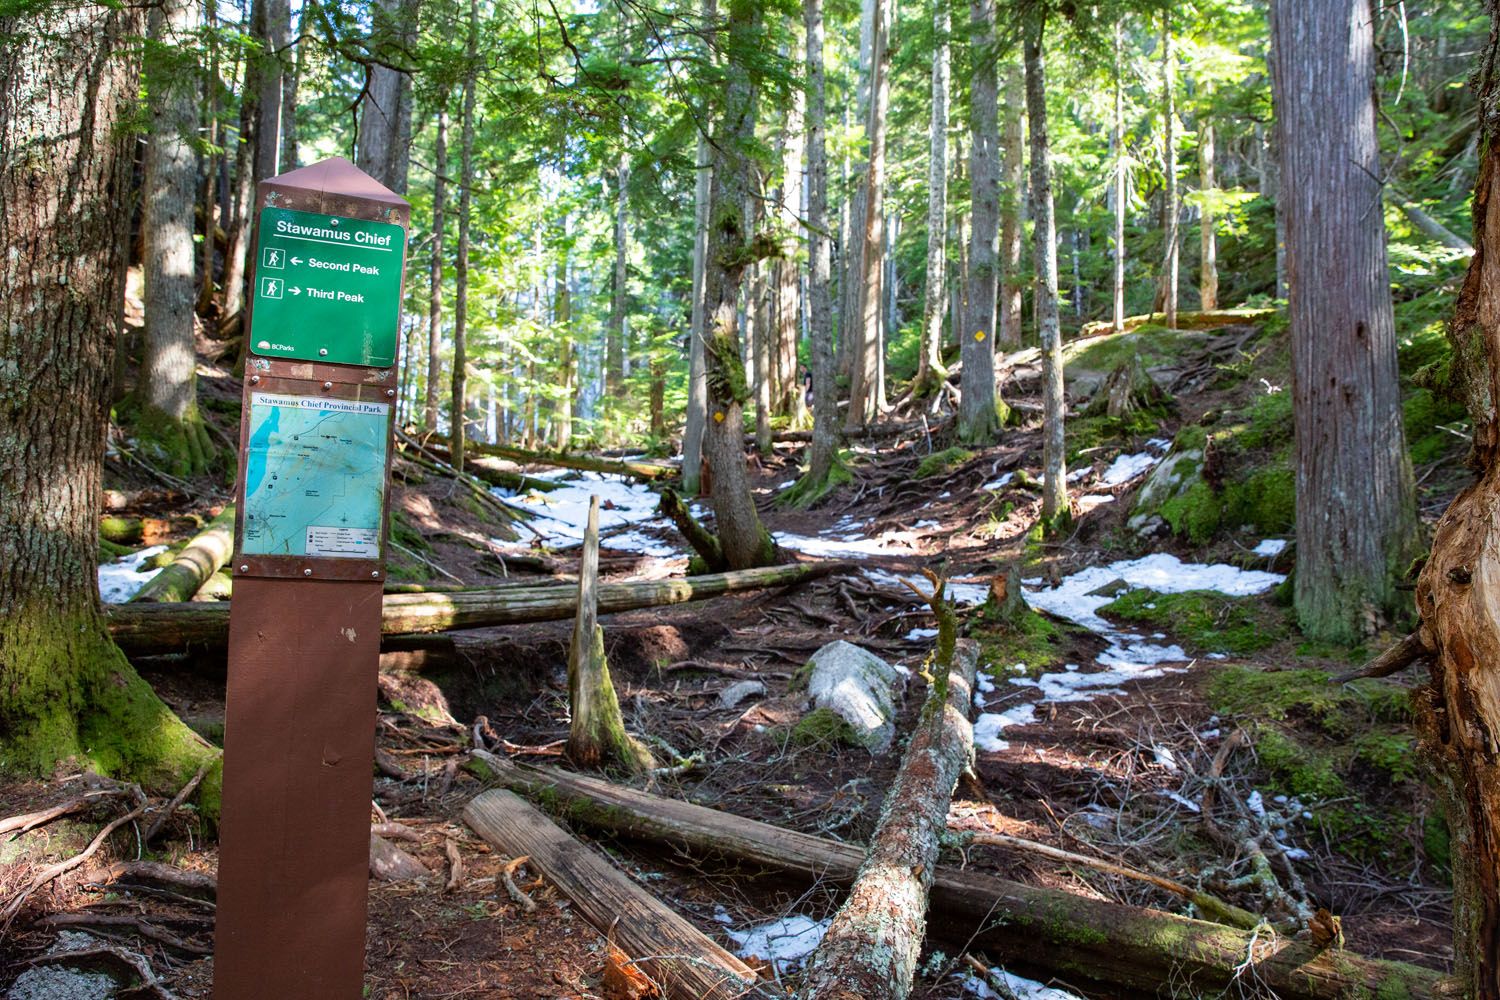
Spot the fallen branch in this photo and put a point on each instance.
(703, 541)
(139, 925)
(514, 891)
(179, 799)
(455, 866)
(146, 629)
(63, 867)
(200, 559)
(1394, 660)
(586, 463)
(1113, 944)
(32, 820)
(871, 947)
(684, 962)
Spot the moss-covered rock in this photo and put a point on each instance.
(823, 726)
(940, 462)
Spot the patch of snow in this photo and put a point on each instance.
(639, 542)
(945, 494)
(1015, 986)
(1077, 474)
(785, 942)
(965, 594)
(789, 482)
(1256, 803)
(1183, 801)
(1161, 572)
(562, 514)
(1159, 444)
(1270, 547)
(1000, 483)
(119, 580)
(989, 725)
(847, 547)
(925, 524)
(1127, 467)
(921, 633)
(1208, 734)
(1218, 656)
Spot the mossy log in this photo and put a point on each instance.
(517, 481)
(147, 629)
(1112, 944)
(122, 530)
(680, 959)
(199, 560)
(585, 463)
(703, 541)
(871, 948)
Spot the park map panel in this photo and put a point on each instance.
(315, 477)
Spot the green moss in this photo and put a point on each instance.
(181, 447)
(1437, 841)
(1299, 769)
(121, 530)
(1393, 753)
(806, 493)
(1196, 514)
(940, 462)
(822, 726)
(110, 551)
(1085, 433)
(1152, 343)
(1030, 638)
(1206, 621)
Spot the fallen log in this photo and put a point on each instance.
(871, 948)
(683, 961)
(1113, 944)
(200, 559)
(585, 463)
(146, 629)
(518, 481)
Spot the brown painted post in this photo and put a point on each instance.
(304, 633)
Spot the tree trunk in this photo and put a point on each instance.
(596, 730)
(978, 419)
(435, 272)
(870, 949)
(458, 406)
(1171, 212)
(758, 326)
(1117, 184)
(1346, 392)
(237, 225)
(589, 463)
(169, 426)
(276, 31)
(1012, 196)
(146, 629)
(732, 247)
(1126, 949)
(290, 84)
(562, 319)
(68, 698)
(787, 395)
(1044, 244)
(207, 193)
(864, 346)
(1457, 715)
(614, 341)
(930, 370)
(384, 147)
(824, 450)
(851, 243)
(1208, 267)
(697, 400)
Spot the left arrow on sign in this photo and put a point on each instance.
(296, 260)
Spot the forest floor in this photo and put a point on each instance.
(1098, 721)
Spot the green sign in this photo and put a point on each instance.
(327, 288)
(314, 476)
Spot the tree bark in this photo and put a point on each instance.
(596, 730)
(458, 406)
(1208, 263)
(1121, 947)
(237, 224)
(1457, 714)
(435, 271)
(864, 345)
(588, 463)
(697, 399)
(978, 419)
(1044, 242)
(384, 147)
(930, 370)
(1346, 393)
(562, 318)
(674, 953)
(788, 399)
(146, 629)
(290, 84)
(1012, 195)
(1117, 184)
(823, 453)
(851, 244)
(870, 949)
(169, 424)
(732, 246)
(614, 341)
(1171, 212)
(69, 81)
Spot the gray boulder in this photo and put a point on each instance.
(856, 685)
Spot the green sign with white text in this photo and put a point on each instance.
(327, 288)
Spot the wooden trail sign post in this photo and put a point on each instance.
(304, 628)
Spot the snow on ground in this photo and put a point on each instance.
(1000, 483)
(1270, 547)
(562, 514)
(1015, 986)
(1126, 467)
(119, 580)
(784, 943)
(1128, 656)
